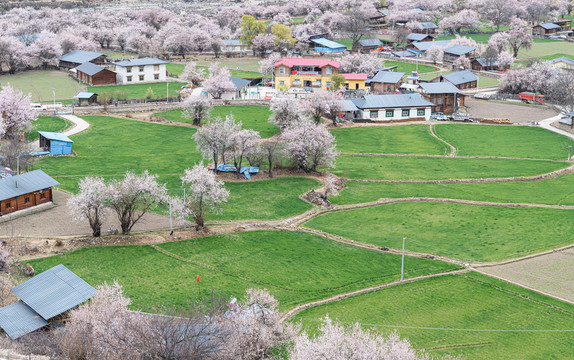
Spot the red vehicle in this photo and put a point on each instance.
(530, 98)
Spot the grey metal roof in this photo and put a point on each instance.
(388, 77)
(565, 59)
(328, 43)
(370, 42)
(459, 50)
(566, 120)
(549, 26)
(391, 101)
(429, 25)
(84, 95)
(141, 62)
(384, 12)
(13, 186)
(349, 105)
(18, 319)
(89, 68)
(440, 88)
(80, 56)
(54, 291)
(416, 36)
(405, 53)
(460, 77)
(55, 136)
(233, 42)
(491, 61)
(424, 45)
(239, 83)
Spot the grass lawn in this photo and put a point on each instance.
(465, 232)
(547, 47)
(47, 123)
(175, 69)
(297, 20)
(138, 91)
(479, 38)
(408, 68)
(421, 311)
(118, 55)
(296, 267)
(249, 64)
(407, 139)
(39, 84)
(511, 141)
(252, 116)
(425, 168)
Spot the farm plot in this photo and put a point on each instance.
(139, 91)
(40, 83)
(296, 267)
(467, 232)
(407, 139)
(427, 168)
(509, 141)
(47, 123)
(470, 315)
(551, 273)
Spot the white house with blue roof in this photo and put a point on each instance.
(137, 71)
(395, 107)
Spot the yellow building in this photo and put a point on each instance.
(305, 73)
(354, 81)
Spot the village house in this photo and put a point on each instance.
(452, 53)
(24, 191)
(446, 97)
(392, 108)
(239, 91)
(86, 98)
(489, 64)
(562, 63)
(235, 46)
(386, 82)
(414, 37)
(428, 27)
(461, 79)
(304, 73)
(546, 29)
(566, 122)
(78, 57)
(143, 70)
(323, 45)
(354, 81)
(367, 45)
(423, 46)
(93, 74)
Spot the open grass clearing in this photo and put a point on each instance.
(39, 84)
(174, 69)
(408, 68)
(469, 301)
(249, 64)
(296, 267)
(508, 141)
(432, 168)
(407, 139)
(467, 232)
(479, 38)
(139, 91)
(47, 123)
(252, 117)
(545, 47)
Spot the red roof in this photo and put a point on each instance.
(354, 76)
(290, 62)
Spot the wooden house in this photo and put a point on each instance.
(93, 74)
(78, 57)
(55, 143)
(446, 97)
(86, 98)
(414, 37)
(461, 79)
(451, 54)
(386, 82)
(24, 191)
(428, 27)
(367, 45)
(543, 30)
(489, 64)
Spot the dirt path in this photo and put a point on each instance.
(453, 156)
(452, 152)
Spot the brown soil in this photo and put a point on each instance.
(517, 114)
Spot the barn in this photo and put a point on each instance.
(93, 74)
(78, 57)
(26, 190)
(55, 143)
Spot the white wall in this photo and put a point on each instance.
(148, 73)
(397, 114)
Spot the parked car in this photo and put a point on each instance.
(439, 116)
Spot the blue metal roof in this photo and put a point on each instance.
(391, 101)
(405, 53)
(55, 136)
(440, 88)
(141, 62)
(564, 59)
(424, 45)
(239, 83)
(18, 319)
(370, 42)
(328, 43)
(13, 186)
(80, 56)
(460, 77)
(416, 36)
(349, 105)
(388, 77)
(459, 50)
(84, 95)
(429, 25)
(54, 291)
(89, 68)
(549, 26)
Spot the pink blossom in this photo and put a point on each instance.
(16, 113)
(309, 147)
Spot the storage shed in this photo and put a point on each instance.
(55, 143)
(24, 191)
(86, 98)
(327, 46)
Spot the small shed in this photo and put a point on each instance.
(55, 143)
(86, 98)
(327, 46)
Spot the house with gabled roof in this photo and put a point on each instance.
(392, 108)
(78, 57)
(414, 37)
(562, 62)
(489, 64)
(464, 79)
(93, 74)
(545, 29)
(423, 46)
(234, 46)
(451, 54)
(354, 81)
(25, 190)
(446, 97)
(366, 45)
(144, 70)
(304, 73)
(428, 27)
(386, 82)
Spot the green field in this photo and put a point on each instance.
(138, 91)
(427, 168)
(408, 68)
(446, 316)
(47, 123)
(546, 47)
(175, 69)
(408, 139)
(479, 38)
(509, 141)
(466, 232)
(40, 83)
(252, 116)
(294, 266)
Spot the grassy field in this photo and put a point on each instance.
(40, 83)
(425, 310)
(175, 69)
(235, 65)
(466, 232)
(138, 91)
(547, 47)
(479, 38)
(47, 123)
(426, 168)
(252, 116)
(408, 139)
(408, 68)
(510, 141)
(294, 266)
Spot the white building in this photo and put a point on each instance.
(235, 46)
(392, 107)
(136, 71)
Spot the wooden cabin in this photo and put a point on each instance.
(93, 74)
(78, 57)
(26, 190)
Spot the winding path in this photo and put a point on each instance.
(452, 152)
(79, 125)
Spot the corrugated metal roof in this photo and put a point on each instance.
(429, 25)
(13, 186)
(89, 68)
(370, 42)
(328, 43)
(424, 45)
(549, 26)
(460, 77)
(384, 12)
(54, 291)
(349, 105)
(564, 59)
(84, 95)
(239, 83)
(55, 136)
(459, 50)
(141, 62)
(391, 101)
(389, 77)
(80, 56)
(440, 88)
(405, 53)
(18, 319)
(416, 36)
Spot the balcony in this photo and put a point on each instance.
(306, 73)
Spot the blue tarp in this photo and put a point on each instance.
(245, 170)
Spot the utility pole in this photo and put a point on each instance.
(167, 91)
(403, 260)
(54, 92)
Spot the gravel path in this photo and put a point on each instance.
(79, 125)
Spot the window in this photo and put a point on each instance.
(156, 67)
(26, 200)
(281, 70)
(129, 69)
(329, 70)
(141, 68)
(420, 112)
(389, 113)
(141, 77)
(42, 196)
(8, 205)
(374, 114)
(129, 79)
(156, 76)
(281, 83)
(405, 113)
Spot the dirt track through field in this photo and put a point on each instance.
(452, 152)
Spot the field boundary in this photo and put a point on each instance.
(453, 149)
(453, 156)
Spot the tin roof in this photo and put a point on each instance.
(417, 36)
(89, 68)
(18, 319)
(140, 62)
(54, 291)
(290, 62)
(80, 56)
(429, 25)
(549, 26)
(424, 45)
(440, 88)
(84, 95)
(55, 136)
(370, 42)
(328, 43)
(460, 77)
(388, 77)
(391, 101)
(563, 59)
(349, 105)
(239, 83)
(13, 186)
(459, 50)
